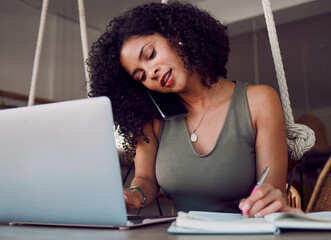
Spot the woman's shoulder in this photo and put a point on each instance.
(156, 127)
(263, 101)
(261, 94)
(255, 93)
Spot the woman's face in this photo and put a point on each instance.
(152, 61)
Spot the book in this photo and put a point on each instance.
(196, 222)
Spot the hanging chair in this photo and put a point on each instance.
(300, 138)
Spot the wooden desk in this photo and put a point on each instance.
(156, 232)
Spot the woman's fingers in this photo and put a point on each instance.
(276, 205)
(265, 200)
(132, 202)
(241, 203)
(247, 204)
(271, 202)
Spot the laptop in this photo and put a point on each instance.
(59, 165)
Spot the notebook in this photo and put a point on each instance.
(198, 222)
(59, 165)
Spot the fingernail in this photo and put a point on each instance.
(240, 205)
(245, 208)
(257, 215)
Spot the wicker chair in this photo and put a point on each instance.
(293, 198)
(321, 197)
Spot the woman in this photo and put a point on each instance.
(211, 159)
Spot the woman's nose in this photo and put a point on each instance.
(153, 73)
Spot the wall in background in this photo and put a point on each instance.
(61, 73)
(306, 51)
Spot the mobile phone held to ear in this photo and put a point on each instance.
(169, 105)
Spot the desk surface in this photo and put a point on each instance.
(158, 232)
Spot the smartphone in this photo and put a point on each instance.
(169, 105)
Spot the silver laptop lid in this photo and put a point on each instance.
(59, 164)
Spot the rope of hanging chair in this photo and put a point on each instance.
(83, 33)
(300, 138)
(36, 61)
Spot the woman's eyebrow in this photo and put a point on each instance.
(142, 50)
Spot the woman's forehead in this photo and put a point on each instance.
(132, 46)
(136, 39)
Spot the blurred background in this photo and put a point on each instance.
(304, 33)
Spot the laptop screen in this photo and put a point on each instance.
(59, 164)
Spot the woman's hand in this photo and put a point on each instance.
(133, 199)
(265, 200)
(144, 178)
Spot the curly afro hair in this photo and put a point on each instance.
(205, 49)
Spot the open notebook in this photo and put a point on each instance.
(59, 165)
(197, 222)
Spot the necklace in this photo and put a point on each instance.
(194, 136)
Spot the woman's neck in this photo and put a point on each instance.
(198, 96)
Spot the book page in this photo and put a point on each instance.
(217, 216)
(317, 216)
(222, 223)
(318, 220)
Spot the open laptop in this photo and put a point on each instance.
(59, 165)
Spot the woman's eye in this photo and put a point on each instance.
(152, 55)
(143, 77)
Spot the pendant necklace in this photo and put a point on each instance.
(194, 136)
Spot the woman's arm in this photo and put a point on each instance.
(144, 178)
(271, 151)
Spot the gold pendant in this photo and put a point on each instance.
(194, 137)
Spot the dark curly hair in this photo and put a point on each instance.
(205, 49)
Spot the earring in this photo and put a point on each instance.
(180, 43)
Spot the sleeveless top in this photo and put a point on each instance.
(216, 181)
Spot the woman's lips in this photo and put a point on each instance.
(167, 79)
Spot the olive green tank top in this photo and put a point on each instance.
(216, 181)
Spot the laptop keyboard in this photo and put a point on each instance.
(140, 219)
